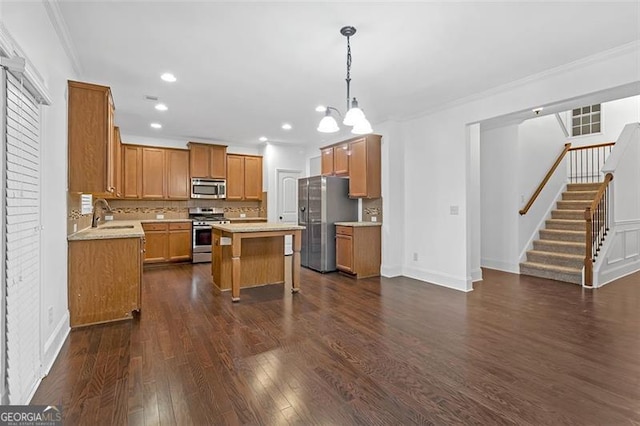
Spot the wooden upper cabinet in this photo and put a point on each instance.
(153, 173)
(253, 178)
(364, 167)
(208, 161)
(359, 159)
(244, 177)
(235, 177)
(131, 171)
(218, 162)
(117, 148)
(341, 160)
(327, 161)
(91, 153)
(178, 184)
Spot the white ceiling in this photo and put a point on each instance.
(244, 68)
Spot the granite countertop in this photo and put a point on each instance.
(358, 223)
(126, 229)
(257, 227)
(246, 219)
(163, 220)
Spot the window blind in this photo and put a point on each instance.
(22, 240)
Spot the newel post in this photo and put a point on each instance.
(588, 258)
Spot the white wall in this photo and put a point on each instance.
(540, 141)
(499, 198)
(29, 25)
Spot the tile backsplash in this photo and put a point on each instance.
(143, 209)
(371, 208)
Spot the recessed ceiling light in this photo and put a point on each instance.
(286, 126)
(167, 76)
(321, 108)
(161, 107)
(156, 125)
(262, 139)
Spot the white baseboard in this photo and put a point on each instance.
(501, 266)
(54, 343)
(476, 275)
(443, 280)
(391, 271)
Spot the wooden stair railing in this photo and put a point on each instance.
(546, 178)
(585, 163)
(597, 221)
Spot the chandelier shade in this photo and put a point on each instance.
(355, 116)
(328, 124)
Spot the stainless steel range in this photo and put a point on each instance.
(203, 218)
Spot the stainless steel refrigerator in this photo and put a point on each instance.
(322, 201)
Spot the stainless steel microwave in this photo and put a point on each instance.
(208, 188)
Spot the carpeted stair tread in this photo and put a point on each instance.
(558, 259)
(567, 214)
(573, 204)
(566, 224)
(559, 246)
(579, 195)
(584, 186)
(562, 235)
(553, 272)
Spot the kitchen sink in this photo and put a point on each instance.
(117, 227)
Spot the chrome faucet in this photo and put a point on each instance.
(96, 218)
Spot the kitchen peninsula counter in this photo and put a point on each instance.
(252, 254)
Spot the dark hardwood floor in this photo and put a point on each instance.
(517, 350)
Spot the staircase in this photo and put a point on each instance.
(559, 253)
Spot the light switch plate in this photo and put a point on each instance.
(108, 217)
(243, 215)
(159, 216)
(374, 218)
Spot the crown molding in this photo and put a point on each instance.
(621, 50)
(60, 26)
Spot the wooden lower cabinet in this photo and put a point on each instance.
(358, 250)
(180, 241)
(105, 277)
(156, 237)
(167, 242)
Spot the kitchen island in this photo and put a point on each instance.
(253, 254)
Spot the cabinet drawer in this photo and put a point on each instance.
(155, 226)
(177, 226)
(344, 230)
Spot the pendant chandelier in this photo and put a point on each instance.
(354, 116)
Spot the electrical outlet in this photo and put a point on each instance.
(50, 315)
(75, 228)
(453, 210)
(243, 215)
(108, 217)
(415, 257)
(159, 216)
(374, 218)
